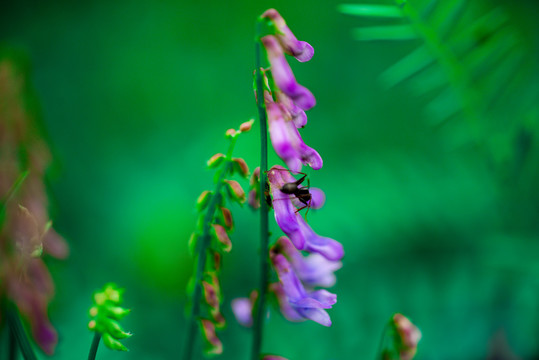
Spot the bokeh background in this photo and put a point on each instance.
(439, 219)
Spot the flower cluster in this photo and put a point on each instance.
(299, 276)
(285, 100)
(211, 239)
(286, 103)
(26, 232)
(105, 313)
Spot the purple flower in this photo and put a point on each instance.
(301, 50)
(293, 112)
(307, 305)
(243, 309)
(293, 224)
(283, 76)
(287, 141)
(313, 270)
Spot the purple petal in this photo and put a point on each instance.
(299, 49)
(317, 315)
(316, 270)
(318, 198)
(297, 115)
(292, 287)
(243, 311)
(283, 76)
(304, 51)
(286, 309)
(329, 248)
(313, 270)
(284, 141)
(324, 297)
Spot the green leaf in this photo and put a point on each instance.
(383, 11)
(389, 32)
(407, 66)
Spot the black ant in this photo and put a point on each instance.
(301, 192)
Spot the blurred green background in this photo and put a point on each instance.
(440, 221)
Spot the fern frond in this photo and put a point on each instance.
(472, 58)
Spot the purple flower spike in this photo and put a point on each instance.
(293, 224)
(309, 305)
(301, 50)
(313, 270)
(288, 143)
(283, 76)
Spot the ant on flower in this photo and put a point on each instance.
(301, 193)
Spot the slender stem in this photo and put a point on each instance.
(16, 328)
(264, 226)
(95, 345)
(379, 351)
(203, 244)
(12, 343)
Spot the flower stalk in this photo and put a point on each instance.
(17, 330)
(208, 243)
(264, 223)
(94, 346)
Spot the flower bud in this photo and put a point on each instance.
(254, 199)
(235, 191)
(409, 336)
(114, 329)
(240, 166)
(213, 344)
(203, 200)
(93, 311)
(222, 236)
(112, 343)
(215, 160)
(210, 294)
(227, 217)
(218, 318)
(246, 126)
(117, 312)
(230, 133)
(255, 177)
(113, 293)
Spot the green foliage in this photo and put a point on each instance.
(469, 61)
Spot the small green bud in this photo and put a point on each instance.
(246, 126)
(117, 312)
(114, 328)
(203, 200)
(235, 191)
(112, 343)
(227, 218)
(240, 166)
(215, 160)
(230, 133)
(220, 233)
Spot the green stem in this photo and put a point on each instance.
(264, 226)
(16, 328)
(95, 345)
(203, 244)
(12, 343)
